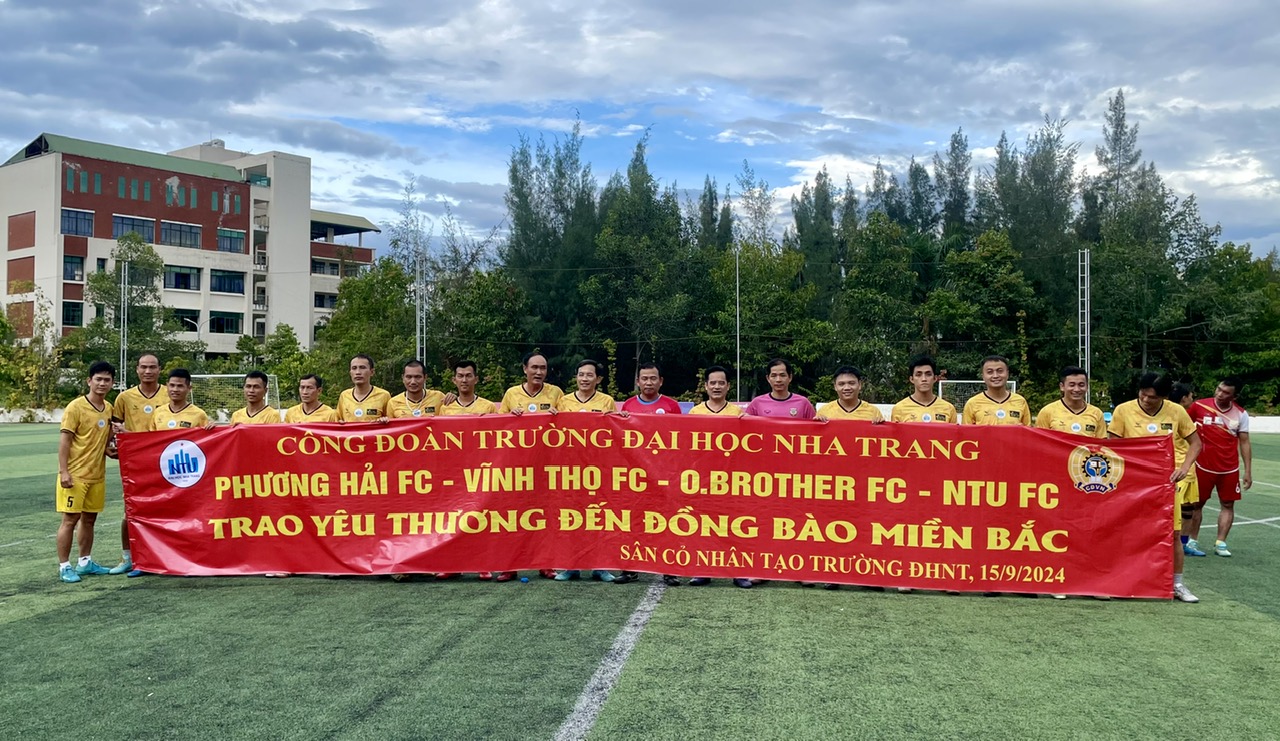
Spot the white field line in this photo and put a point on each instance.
(1238, 521)
(55, 534)
(585, 712)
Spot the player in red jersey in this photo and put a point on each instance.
(1224, 429)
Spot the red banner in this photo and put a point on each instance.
(925, 506)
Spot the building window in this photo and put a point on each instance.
(225, 322)
(181, 278)
(193, 199)
(71, 180)
(122, 225)
(146, 190)
(237, 206)
(230, 240)
(188, 319)
(326, 300)
(180, 235)
(73, 268)
(324, 267)
(97, 183)
(351, 269)
(102, 264)
(84, 182)
(73, 313)
(77, 223)
(226, 281)
(133, 189)
(120, 187)
(213, 201)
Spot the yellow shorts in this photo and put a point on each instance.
(82, 497)
(1189, 489)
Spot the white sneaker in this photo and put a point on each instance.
(1180, 592)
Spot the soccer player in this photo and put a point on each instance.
(848, 405)
(256, 411)
(650, 400)
(996, 405)
(716, 382)
(417, 400)
(1152, 414)
(179, 413)
(535, 394)
(363, 402)
(1073, 413)
(311, 409)
(82, 472)
(923, 405)
(587, 397)
(780, 401)
(466, 401)
(1224, 429)
(132, 413)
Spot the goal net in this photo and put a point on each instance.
(958, 392)
(221, 394)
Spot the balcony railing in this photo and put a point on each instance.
(260, 303)
(255, 179)
(262, 223)
(260, 262)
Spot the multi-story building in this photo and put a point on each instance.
(236, 231)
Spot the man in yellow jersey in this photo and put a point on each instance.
(996, 405)
(715, 380)
(179, 413)
(848, 404)
(363, 402)
(587, 398)
(82, 472)
(535, 394)
(465, 402)
(311, 409)
(132, 413)
(417, 400)
(465, 377)
(1073, 413)
(1189, 488)
(256, 410)
(1152, 414)
(923, 405)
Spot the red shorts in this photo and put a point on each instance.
(1227, 484)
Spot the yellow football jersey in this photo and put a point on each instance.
(133, 408)
(730, 410)
(428, 406)
(543, 401)
(368, 409)
(1056, 416)
(90, 429)
(597, 403)
(1128, 420)
(864, 411)
(478, 405)
(265, 416)
(939, 411)
(190, 416)
(296, 415)
(983, 410)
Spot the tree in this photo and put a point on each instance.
(373, 317)
(814, 236)
(952, 177)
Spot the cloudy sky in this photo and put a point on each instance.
(374, 90)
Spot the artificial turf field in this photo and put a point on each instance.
(206, 658)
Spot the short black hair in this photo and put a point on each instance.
(530, 356)
(1072, 370)
(1179, 392)
(466, 364)
(598, 367)
(847, 370)
(258, 375)
(182, 373)
(920, 360)
(313, 377)
(415, 363)
(779, 361)
(101, 366)
(1234, 382)
(648, 366)
(706, 375)
(1162, 385)
(365, 358)
(995, 359)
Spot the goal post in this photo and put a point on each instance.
(959, 392)
(220, 394)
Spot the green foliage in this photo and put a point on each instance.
(374, 317)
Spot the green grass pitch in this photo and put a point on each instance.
(303, 658)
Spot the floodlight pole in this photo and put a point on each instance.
(737, 311)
